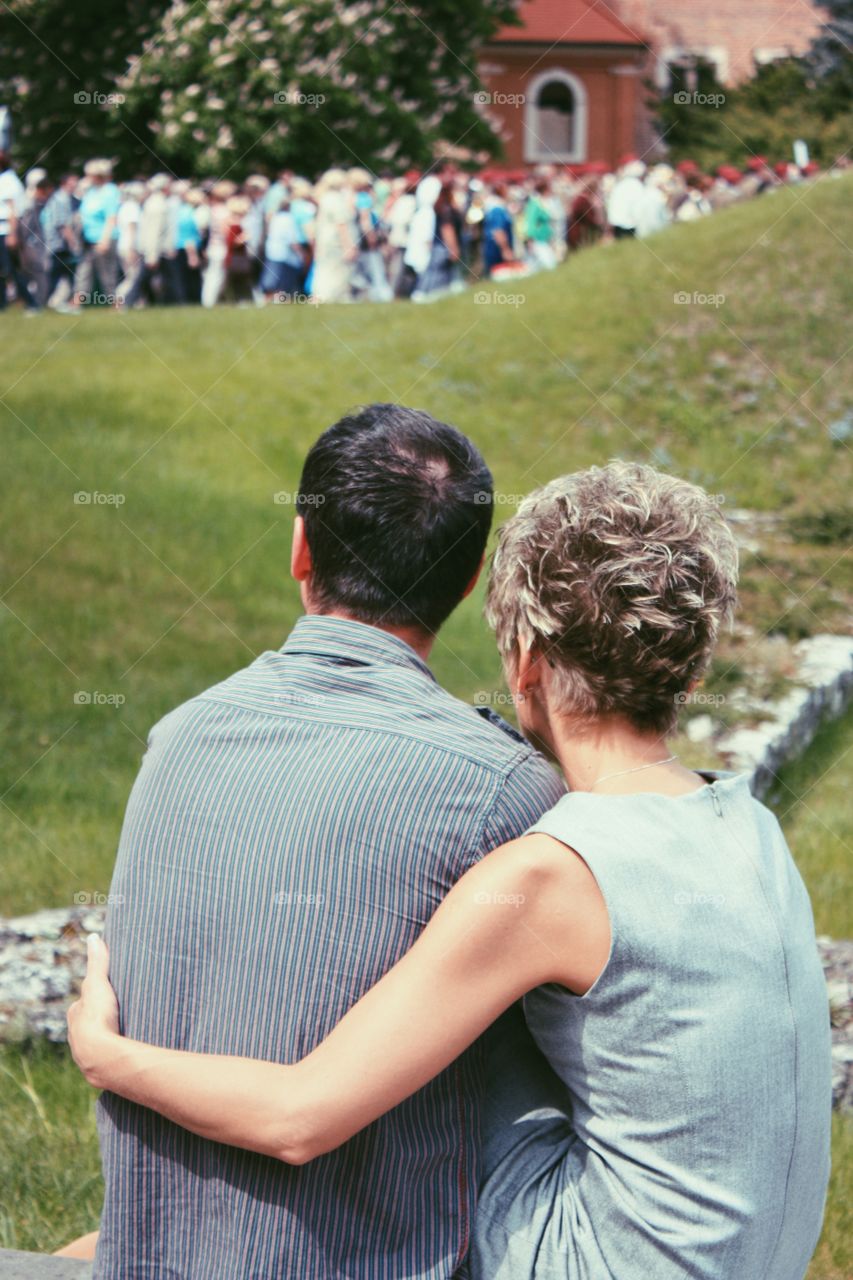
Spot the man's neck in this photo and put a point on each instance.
(414, 637)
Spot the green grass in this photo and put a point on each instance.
(49, 1165)
(197, 420)
(812, 801)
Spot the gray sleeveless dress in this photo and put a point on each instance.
(680, 1125)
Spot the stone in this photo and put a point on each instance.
(41, 1266)
(42, 963)
(823, 687)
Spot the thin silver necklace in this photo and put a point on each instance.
(621, 773)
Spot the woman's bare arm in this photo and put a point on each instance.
(506, 927)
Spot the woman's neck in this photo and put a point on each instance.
(612, 757)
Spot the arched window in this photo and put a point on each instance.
(555, 118)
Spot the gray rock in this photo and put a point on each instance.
(824, 686)
(41, 1266)
(42, 963)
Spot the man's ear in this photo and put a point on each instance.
(300, 553)
(475, 579)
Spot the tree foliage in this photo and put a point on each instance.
(227, 85)
(59, 62)
(809, 97)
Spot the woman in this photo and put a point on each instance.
(653, 920)
(216, 253)
(369, 279)
(335, 240)
(239, 263)
(538, 227)
(283, 261)
(587, 219)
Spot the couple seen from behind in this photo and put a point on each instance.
(392, 991)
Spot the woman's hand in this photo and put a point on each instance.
(93, 1025)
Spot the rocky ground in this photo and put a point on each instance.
(43, 958)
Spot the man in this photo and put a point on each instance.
(32, 248)
(151, 283)
(289, 835)
(60, 237)
(99, 265)
(12, 205)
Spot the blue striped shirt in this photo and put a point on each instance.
(290, 833)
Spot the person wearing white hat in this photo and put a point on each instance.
(654, 212)
(626, 199)
(336, 244)
(99, 262)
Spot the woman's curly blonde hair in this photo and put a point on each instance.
(621, 577)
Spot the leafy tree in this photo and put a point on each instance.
(688, 110)
(235, 84)
(810, 97)
(58, 66)
(831, 59)
(205, 88)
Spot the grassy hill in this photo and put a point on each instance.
(196, 421)
(187, 424)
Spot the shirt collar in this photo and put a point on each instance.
(357, 642)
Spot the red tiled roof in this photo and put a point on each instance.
(567, 22)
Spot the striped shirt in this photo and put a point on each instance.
(289, 835)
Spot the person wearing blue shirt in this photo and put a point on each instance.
(284, 261)
(187, 243)
(99, 262)
(497, 232)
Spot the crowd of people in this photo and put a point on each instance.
(81, 240)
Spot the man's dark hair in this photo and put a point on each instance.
(397, 510)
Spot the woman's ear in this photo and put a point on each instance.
(528, 672)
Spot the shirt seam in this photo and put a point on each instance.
(521, 752)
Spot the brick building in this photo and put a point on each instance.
(568, 85)
(733, 35)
